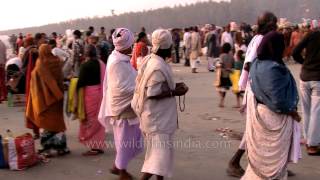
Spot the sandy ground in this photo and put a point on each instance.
(201, 153)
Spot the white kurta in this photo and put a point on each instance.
(158, 116)
(226, 38)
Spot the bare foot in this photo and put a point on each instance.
(124, 175)
(115, 170)
(235, 171)
(291, 174)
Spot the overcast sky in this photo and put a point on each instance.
(26, 13)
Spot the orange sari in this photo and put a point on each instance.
(45, 104)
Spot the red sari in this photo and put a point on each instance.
(140, 50)
(3, 88)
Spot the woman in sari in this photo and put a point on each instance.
(92, 133)
(140, 50)
(272, 129)
(29, 59)
(45, 103)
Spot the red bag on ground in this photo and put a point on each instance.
(22, 152)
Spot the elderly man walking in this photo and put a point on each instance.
(119, 85)
(155, 104)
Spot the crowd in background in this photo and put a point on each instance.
(93, 75)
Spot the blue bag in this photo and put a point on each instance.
(3, 163)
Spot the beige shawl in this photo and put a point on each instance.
(151, 64)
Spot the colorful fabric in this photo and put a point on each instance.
(52, 140)
(45, 104)
(274, 86)
(92, 133)
(234, 77)
(29, 62)
(72, 95)
(140, 50)
(81, 105)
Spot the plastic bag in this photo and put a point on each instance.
(3, 154)
(22, 152)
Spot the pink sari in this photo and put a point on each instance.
(92, 133)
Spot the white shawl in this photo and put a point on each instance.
(118, 88)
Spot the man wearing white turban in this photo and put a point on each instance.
(155, 104)
(118, 90)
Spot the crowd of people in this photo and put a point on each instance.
(123, 83)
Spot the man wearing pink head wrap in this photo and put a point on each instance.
(122, 39)
(118, 90)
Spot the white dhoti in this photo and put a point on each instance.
(159, 155)
(195, 63)
(269, 141)
(128, 141)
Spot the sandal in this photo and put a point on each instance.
(291, 174)
(124, 175)
(313, 151)
(93, 152)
